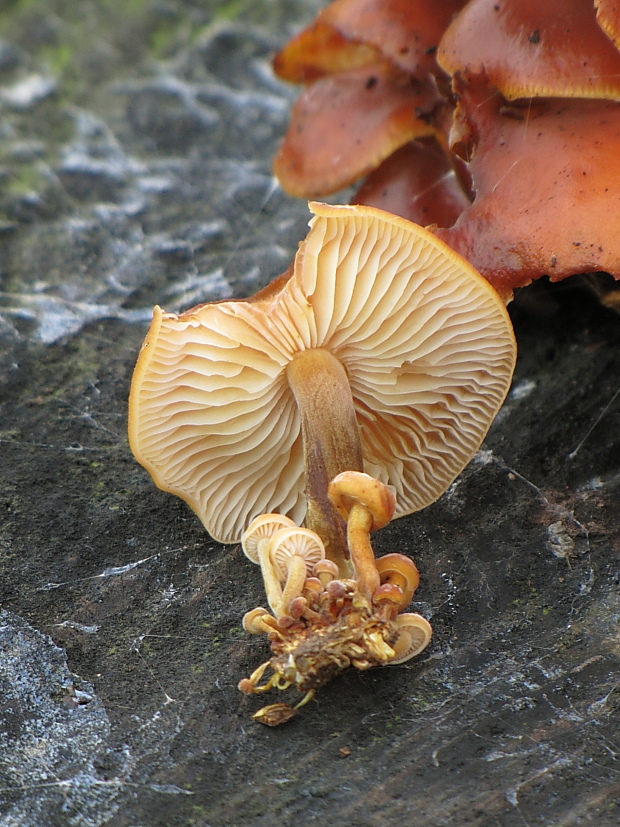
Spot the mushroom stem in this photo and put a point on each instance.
(295, 579)
(273, 590)
(362, 555)
(331, 441)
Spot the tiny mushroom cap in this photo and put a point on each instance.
(383, 352)
(414, 635)
(401, 571)
(326, 571)
(295, 542)
(529, 48)
(262, 527)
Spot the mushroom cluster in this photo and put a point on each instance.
(321, 623)
(353, 388)
(495, 121)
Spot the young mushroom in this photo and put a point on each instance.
(255, 543)
(383, 352)
(294, 552)
(414, 635)
(366, 504)
(400, 571)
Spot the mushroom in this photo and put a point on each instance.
(366, 504)
(255, 543)
(259, 621)
(529, 48)
(294, 552)
(418, 182)
(383, 107)
(414, 635)
(399, 570)
(350, 33)
(384, 352)
(326, 571)
(530, 165)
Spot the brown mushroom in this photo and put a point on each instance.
(399, 570)
(547, 187)
(344, 125)
(350, 33)
(382, 338)
(321, 50)
(418, 182)
(529, 48)
(366, 504)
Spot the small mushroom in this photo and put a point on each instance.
(383, 352)
(326, 571)
(258, 621)
(401, 571)
(414, 635)
(366, 504)
(255, 543)
(294, 552)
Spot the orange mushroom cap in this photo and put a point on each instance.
(418, 182)
(533, 48)
(348, 32)
(425, 342)
(321, 50)
(343, 126)
(547, 187)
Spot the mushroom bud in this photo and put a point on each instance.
(255, 544)
(400, 571)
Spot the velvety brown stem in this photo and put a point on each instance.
(331, 441)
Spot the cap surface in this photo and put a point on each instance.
(426, 343)
(547, 188)
(533, 48)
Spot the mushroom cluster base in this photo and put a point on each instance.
(346, 633)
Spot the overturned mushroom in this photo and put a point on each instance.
(384, 352)
(294, 551)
